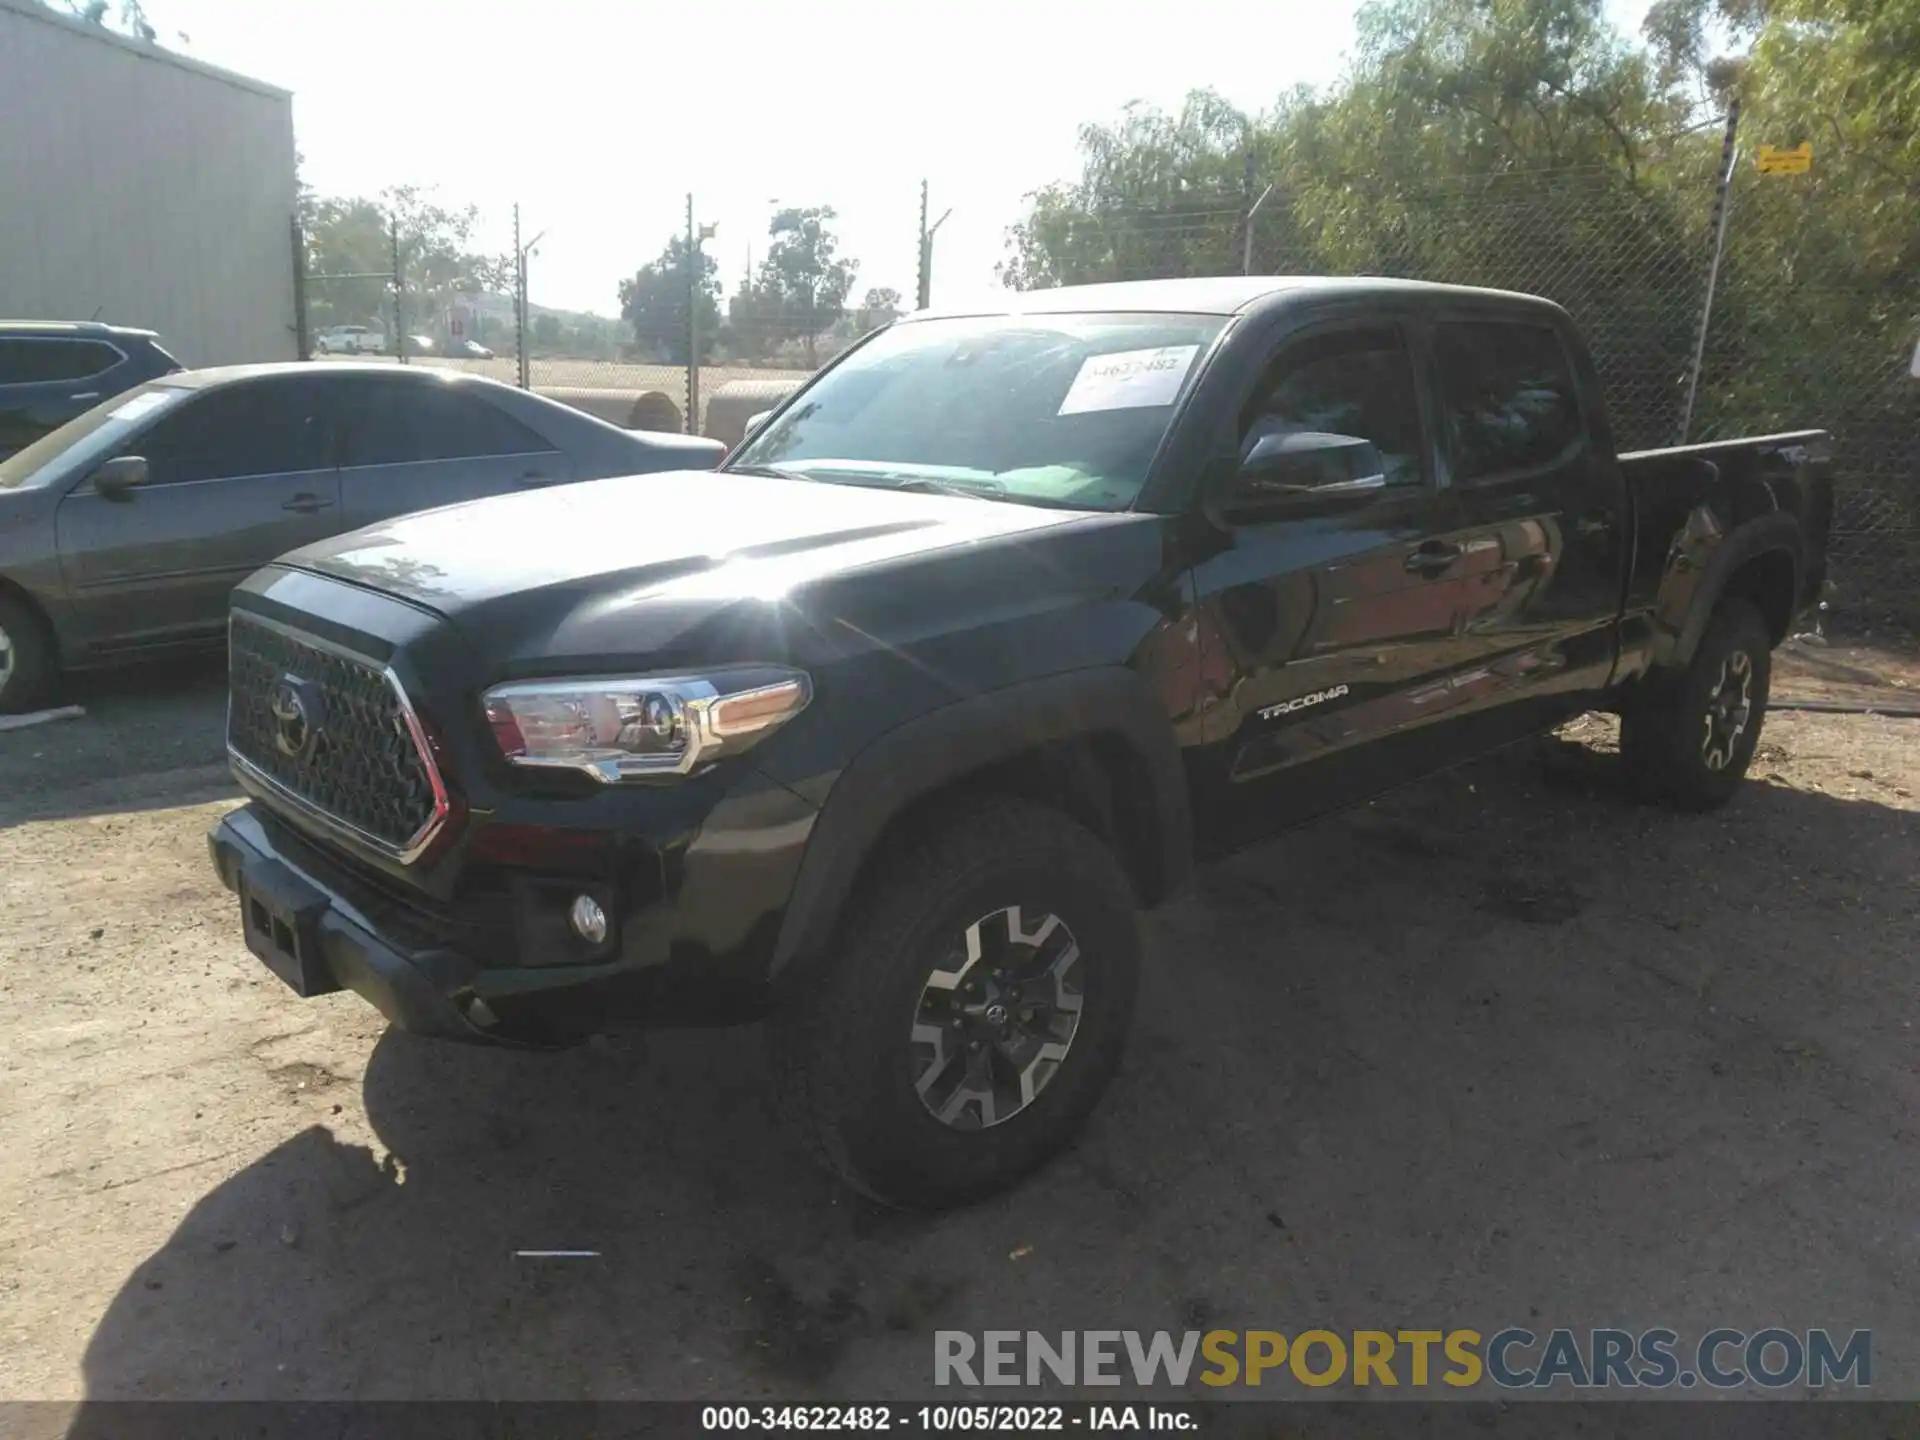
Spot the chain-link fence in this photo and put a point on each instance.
(1797, 335)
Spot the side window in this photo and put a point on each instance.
(34, 361)
(1509, 397)
(1355, 382)
(408, 422)
(264, 427)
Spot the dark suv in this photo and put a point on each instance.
(51, 372)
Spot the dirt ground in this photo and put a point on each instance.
(1503, 1049)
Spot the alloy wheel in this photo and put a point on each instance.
(994, 1023)
(1729, 709)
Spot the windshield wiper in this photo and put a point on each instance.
(976, 490)
(771, 472)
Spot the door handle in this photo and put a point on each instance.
(89, 395)
(533, 477)
(305, 504)
(1433, 557)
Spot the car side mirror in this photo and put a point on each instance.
(120, 474)
(1282, 469)
(755, 423)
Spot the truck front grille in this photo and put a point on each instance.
(332, 734)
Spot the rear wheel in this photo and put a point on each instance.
(26, 658)
(1690, 744)
(974, 1010)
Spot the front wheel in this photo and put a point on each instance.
(1690, 744)
(27, 659)
(973, 1012)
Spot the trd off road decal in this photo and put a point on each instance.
(1302, 702)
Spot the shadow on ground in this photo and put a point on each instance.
(1504, 1049)
(152, 736)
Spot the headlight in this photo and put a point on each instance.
(643, 726)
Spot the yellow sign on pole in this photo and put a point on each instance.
(1775, 161)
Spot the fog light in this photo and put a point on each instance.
(589, 921)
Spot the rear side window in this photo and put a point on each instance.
(29, 360)
(408, 422)
(1509, 397)
(265, 427)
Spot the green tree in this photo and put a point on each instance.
(1495, 142)
(129, 16)
(880, 307)
(654, 302)
(802, 286)
(1527, 144)
(351, 244)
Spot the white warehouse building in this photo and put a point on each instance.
(143, 188)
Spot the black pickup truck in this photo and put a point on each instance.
(887, 729)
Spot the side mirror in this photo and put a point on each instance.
(120, 474)
(1305, 465)
(754, 425)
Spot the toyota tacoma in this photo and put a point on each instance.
(886, 731)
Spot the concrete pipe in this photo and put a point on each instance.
(629, 409)
(738, 401)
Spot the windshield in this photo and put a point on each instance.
(87, 438)
(1061, 410)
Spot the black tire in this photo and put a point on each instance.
(27, 663)
(1680, 744)
(846, 1057)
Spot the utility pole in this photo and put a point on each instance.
(1722, 204)
(924, 296)
(1246, 255)
(399, 286)
(519, 303)
(521, 306)
(301, 340)
(693, 322)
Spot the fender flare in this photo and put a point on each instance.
(1769, 534)
(921, 756)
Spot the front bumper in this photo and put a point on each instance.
(317, 941)
(692, 945)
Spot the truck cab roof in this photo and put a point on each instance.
(1212, 295)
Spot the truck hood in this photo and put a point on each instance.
(607, 567)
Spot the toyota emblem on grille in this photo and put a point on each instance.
(297, 715)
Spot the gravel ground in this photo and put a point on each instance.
(1502, 1049)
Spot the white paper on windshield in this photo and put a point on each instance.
(1129, 379)
(141, 405)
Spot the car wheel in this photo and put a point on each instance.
(1689, 745)
(27, 666)
(972, 1012)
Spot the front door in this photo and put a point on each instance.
(1330, 630)
(235, 477)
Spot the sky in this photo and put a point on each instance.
(599, 117)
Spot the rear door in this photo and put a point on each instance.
(413, 442)
(47, 380)
(1331, 630)
(236, 476)
(1542, 511)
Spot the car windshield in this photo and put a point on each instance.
(1063, 410)
(87, 438)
